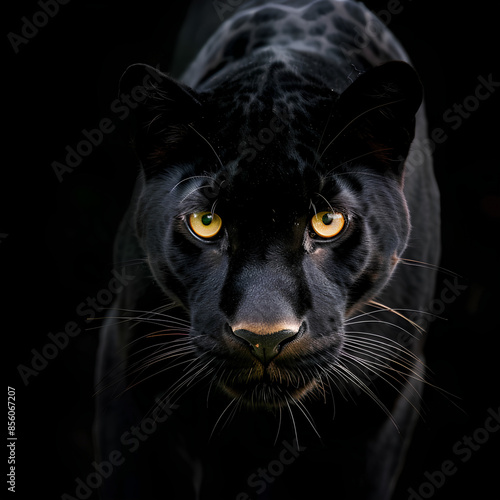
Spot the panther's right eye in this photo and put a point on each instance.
(328, 224)
(206, 225)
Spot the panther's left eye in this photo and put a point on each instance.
(206, 225)
(328, 224)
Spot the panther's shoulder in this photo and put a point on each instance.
(343, 33)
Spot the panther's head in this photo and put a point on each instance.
(272, 216)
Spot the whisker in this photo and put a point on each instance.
(137, 320)
(367, 391)
(203, 186)
(171, 351)
(208, 143)
(145, 317)
(353, 120)
(382, 352)
(343, 381)
(233, 400)
(409, 366)
(321, 373)
(279, 425)
(382, 374)
(356, 158)
(427, 265)
(381, 322)
(214, 378)
(326, 201)
(135, 382)
(162, 353)
(159, 311)
(191, 178)
(382, 310)
(386, 342)
(318, 157)
(307, 415)
(156, 373)
(191, 375)
(397, 313)
(159, 334)
(233, 411)
(292, 419)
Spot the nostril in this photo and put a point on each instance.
(266, 347)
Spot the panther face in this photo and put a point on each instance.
(273, 220)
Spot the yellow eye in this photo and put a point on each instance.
(205, 224)
(328, 224)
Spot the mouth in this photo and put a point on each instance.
(297, 372)
(270, 390)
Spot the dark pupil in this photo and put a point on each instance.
(206, 219)
(327, 219)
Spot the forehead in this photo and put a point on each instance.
(268, 185)
(259, 112)
(263, 156)
(261, 150)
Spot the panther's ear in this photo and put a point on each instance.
(375, 116)
(165, 108)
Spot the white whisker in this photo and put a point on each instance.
(293, 420)
(208, 143)
(233, 400)
(354, 378)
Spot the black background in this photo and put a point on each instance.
(55, 248)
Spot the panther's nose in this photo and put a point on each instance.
(266, 346)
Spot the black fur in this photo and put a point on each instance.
(267, 138)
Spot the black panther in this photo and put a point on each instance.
(275, 234)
